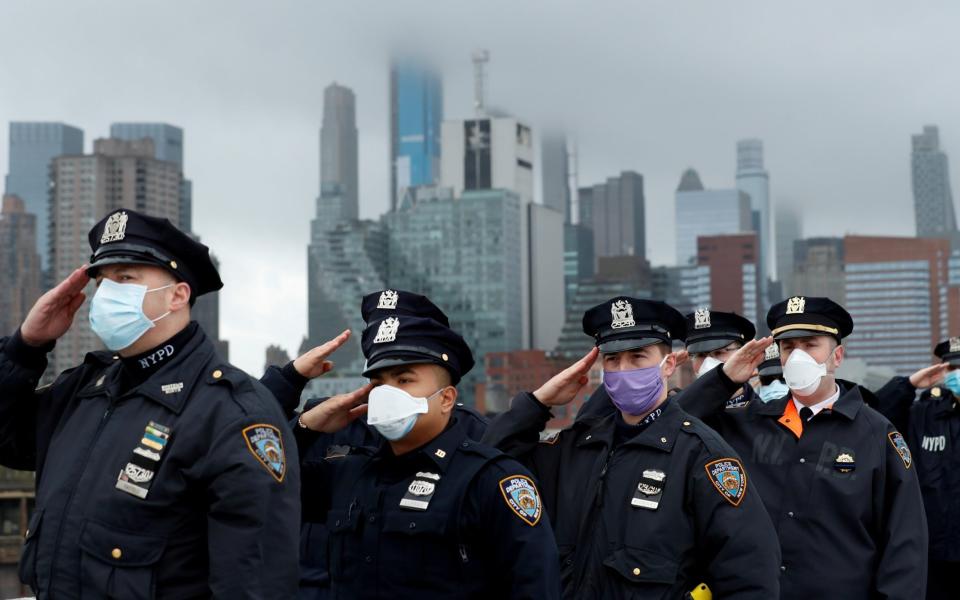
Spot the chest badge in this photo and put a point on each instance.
(138, 475)
(845, 462)
(650, 490)
(420, 491)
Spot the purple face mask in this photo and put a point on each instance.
(636, 391)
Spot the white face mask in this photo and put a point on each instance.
(393, 412)
(802, 373)
(709, 363)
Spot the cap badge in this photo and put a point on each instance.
(955, 344)
(115, 228)
(622, 312)
(387, 332)
(701, 318)
(795, 305)
(388, 300)
(771, 353)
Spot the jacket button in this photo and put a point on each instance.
(790, 514)
(636, 570)
(663, 440)
(217, 374)
(783, 567)
(372, 519)
(116, 553)
(337, 523)
(368, 559)
(413, 525)
(803, 460)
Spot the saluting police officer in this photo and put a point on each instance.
(429, 513)
(647, 502)
(712, 338)
(932, 426)
(161, 469)
(772, 385)
(837, 478)
(287, 384)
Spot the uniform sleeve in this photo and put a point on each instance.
(21, 367)
(894, 400)
(286, 385)
(739, 542)
(902, 568)
(706, 397)
(253, 510)
(514, 530)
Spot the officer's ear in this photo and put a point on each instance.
(448, 399)
(181, 296)
(838, 354)
(669, 361)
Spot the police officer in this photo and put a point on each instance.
(772, 385)
(712, 337)
(836, 477)
(287, 384)
(932, 430)
(428, 513)
(161, 469)
(647, 502)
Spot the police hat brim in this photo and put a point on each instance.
(130, 254)
(703, 346)
(953, 360)
(771, 368)
(388, 362)
(623, 345)
(802, 333)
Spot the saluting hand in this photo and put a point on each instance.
(52, 314)
(743, 364)
(335, 413)
(565, 385)
(314, 362)
(929, 376)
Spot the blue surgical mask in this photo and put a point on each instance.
(952, 382)
(773, 390)
(116, 313)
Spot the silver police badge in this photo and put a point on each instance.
(796, 305)
(388, 300)
(420, 491)
(955, 344)
(622, 313)
(771, 353)
(115, 229)
(649, 490)
(387, 332)
(701, 318)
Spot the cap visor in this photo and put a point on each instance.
(396, 361)
(708, 345)
(954, 361)
(124, 260)
(800, 333)
(628, 344)
(771, 370)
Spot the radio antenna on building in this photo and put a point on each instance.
(480, 60)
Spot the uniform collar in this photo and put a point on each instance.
(848, 404)
(661, 434)
(439, 450)
(944, 406)
(170, 385)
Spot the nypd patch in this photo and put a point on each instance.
(900, 445)
(522, 497)
(728, 476)
(265, 444)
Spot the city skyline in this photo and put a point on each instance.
(257, 150)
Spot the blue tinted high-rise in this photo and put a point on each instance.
(416, 97)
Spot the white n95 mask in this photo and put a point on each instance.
(393, 412)
(802, 373)
(709, 363)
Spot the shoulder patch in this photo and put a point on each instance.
(265, 443)
(728, 476)
(900, 445)
(521, 495)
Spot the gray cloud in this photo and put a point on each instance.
(833, 89)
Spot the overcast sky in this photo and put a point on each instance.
(834, 89)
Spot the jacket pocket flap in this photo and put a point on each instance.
(642, 566)
(119, 547)
(413, 522)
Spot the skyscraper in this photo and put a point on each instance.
(818, 268)
(701, 212)
(753, 180)
(734, 273)
(789, 229)
(614, 210)
(464, 253)
(338, 146)
(33, 145)
(20, 273)
(416, 114)
(897, 294)
(932, 197)
(168, 146)
(83, 189)
(555, 173)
